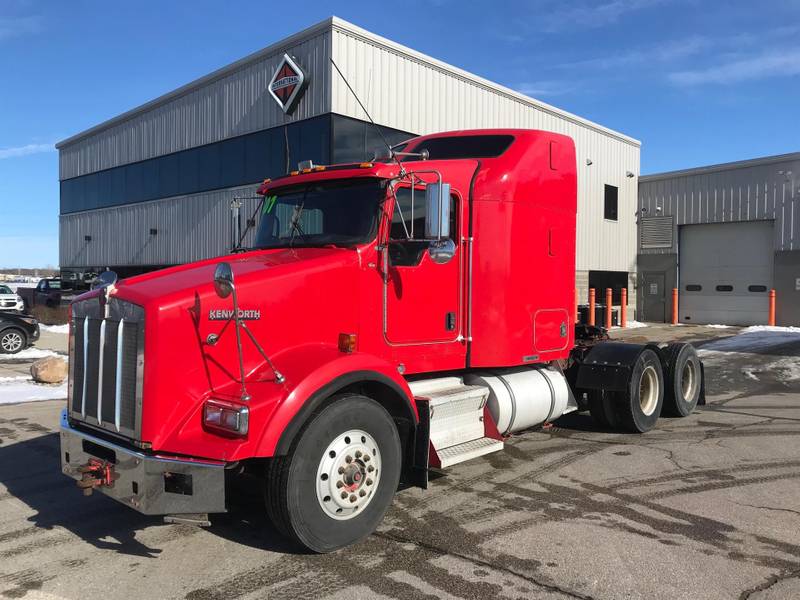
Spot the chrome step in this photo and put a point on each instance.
(468, 450)
(456, 413)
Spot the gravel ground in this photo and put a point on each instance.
(702, 507)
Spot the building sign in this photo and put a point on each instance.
(287, 84)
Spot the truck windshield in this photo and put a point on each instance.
(331, 213)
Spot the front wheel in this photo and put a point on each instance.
(12, 341)
(339, 478)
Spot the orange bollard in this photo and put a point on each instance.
(674, 306)
(771, 319)
(623, 307)
(608, 308)
(575, 316)
(591, 306)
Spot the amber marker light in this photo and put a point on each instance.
(347, 342)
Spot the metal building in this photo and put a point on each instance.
(724, 235)
(152, 187)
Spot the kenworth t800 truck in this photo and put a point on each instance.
(392, 317)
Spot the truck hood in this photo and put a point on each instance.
(166, 287)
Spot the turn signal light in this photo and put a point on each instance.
(319, 168)
(227, 417)
(294, 172)
(365, 165)
(347, 342)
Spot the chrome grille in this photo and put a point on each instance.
(106, 365)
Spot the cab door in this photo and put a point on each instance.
(422, 299)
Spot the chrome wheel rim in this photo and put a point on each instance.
(11, 342)
(648, 390)
(348, 475)
(688, 379)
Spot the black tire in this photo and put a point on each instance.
(683, 378)
(602, 408)
(639, 407)
(292, 497)
(12, 341)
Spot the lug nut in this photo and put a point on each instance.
(341, 470)
(344, 495)
(358, 453)
(366, 458)
(349, 459)
(369, 481)
(370, 468)
(339, 484)
(362, 493)
(353, 498)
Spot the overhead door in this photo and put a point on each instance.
(725, 272)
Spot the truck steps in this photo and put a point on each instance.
(458, 420)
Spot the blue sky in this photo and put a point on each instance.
(699, 82)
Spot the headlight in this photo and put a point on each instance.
(226, 416)
(29, 320)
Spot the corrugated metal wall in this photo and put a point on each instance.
(188, 228)
(403, 89)
(230, 105)
(762, 189)
(412, 92)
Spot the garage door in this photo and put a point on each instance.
(726, 272)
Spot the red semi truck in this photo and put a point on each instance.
(394, 316)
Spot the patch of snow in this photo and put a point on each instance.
(719, 326)
(55, 328)
(755, 339)
(25, 390)
(631, 325)
(29, 353)
(786, 369)
(771, 328)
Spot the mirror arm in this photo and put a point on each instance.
(245, 395)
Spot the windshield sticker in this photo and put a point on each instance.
(269, 204)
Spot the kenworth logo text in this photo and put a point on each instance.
(225, 314)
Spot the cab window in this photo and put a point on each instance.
(407, 242)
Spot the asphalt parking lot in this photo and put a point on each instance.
(702, 507)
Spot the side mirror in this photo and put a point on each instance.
(223, 280)
(441, 251)
(437, 202)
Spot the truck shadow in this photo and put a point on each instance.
(30, 471)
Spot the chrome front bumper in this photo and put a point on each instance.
(152, 485)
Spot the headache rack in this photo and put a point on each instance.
(106, 366)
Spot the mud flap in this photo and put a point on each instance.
(418, 473)
(701, 401)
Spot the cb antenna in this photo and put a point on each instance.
(366, 112)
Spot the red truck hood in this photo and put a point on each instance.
(168, 286)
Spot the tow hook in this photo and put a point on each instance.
(96, 473)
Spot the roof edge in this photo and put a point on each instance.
(307, 33)
(738, 164)
(370, 37)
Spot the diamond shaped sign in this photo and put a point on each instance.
(287, 84)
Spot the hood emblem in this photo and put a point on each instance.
(226, 314)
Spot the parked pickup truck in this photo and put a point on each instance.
(48, 292)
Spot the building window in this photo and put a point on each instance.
(611, 201)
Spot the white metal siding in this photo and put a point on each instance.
(188, 228)
(763, 189)
(409, 91)
(232, 105)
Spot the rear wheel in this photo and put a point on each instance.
(639, 406)
(682, 379)
(12, 340)
(339, 478)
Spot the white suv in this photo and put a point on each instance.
(9, 300)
